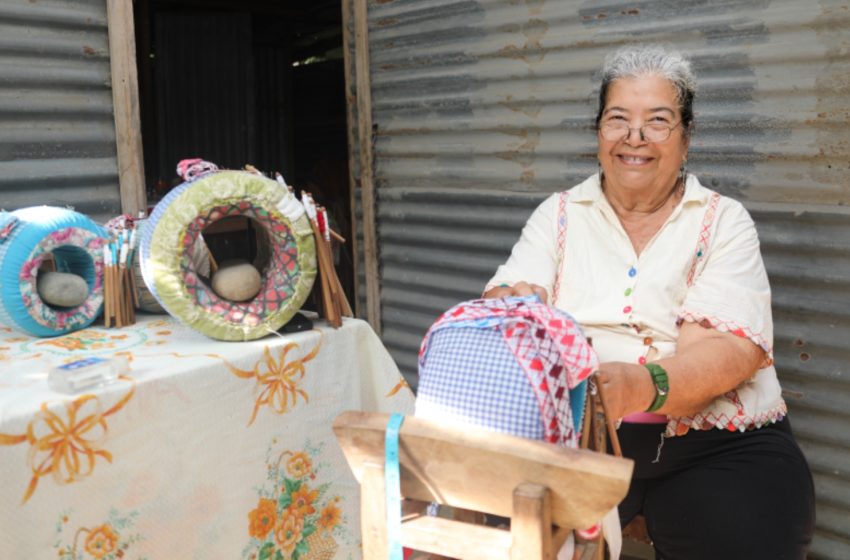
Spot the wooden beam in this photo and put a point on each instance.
(367, 186)
(352, 132)
(531, 523)
(456, 539)
(373, 512)
(125, 100)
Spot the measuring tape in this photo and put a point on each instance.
(393, 487)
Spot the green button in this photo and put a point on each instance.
(628, 291)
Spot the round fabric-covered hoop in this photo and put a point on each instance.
(27, 237)
(174, 228)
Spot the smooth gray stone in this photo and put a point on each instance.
(236, 281)
(62, 289)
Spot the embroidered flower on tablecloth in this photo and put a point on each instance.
(111, 540)
(101, 541)
(330, 517)
(262, 519)
(289, 531)
(295, 518)
(299, 465)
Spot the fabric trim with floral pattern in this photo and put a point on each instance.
(704, 237)
(680, 426)
(561, 243)
(737, 329)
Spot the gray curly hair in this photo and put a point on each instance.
(641, 60)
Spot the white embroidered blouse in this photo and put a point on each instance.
(704, 265)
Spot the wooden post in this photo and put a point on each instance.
(367, 186)
(531, 523)
(125, 101)
(373, 512)
(352, 132)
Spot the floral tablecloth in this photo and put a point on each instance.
(203, 450)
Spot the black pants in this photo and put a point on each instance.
(716, 494)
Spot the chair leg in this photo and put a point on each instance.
(373, 512)
(531, 523)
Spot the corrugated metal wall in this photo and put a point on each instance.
(57, 132)
(482, 108)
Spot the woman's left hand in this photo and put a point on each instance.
(627, 388)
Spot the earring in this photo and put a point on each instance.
(599, 170)
(683, 173)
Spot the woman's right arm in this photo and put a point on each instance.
(532, 266)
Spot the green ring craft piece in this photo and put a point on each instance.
(169, 238)
(75, 243)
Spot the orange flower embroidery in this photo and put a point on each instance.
(299, 465)
(262, 519)
(330, 517)
(67, 446)
(76, 341)
(101, 541)
(280, 379)
(288, 531)
(302, 500)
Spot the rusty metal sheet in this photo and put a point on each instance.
(482, 108)
(57, 131)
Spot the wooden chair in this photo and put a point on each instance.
(539, 486)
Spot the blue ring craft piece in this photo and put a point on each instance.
(170, 238)
(27, 237)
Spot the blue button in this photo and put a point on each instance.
(632, 272)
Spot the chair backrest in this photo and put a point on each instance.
(476, 469)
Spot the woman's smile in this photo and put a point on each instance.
(634, 160)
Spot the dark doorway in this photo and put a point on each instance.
(257, 82)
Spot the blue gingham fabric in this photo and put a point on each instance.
(473, 378)
(511, 365)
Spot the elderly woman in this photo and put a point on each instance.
(667, 280)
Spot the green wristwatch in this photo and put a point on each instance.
(662, 386)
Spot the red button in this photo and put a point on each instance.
(642, 360)
(627, 309)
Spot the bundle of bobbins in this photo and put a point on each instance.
(333, 304)
(237, 299)
(121, 295)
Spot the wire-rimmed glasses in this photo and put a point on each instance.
(616, 130)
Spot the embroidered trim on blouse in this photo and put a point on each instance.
(732, 327)
(682, 425)
(561, 244)
(704, 236)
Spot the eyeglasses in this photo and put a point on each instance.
(617, 130)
